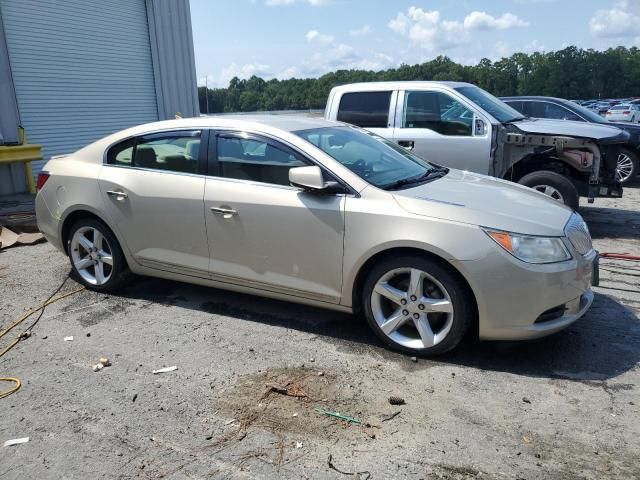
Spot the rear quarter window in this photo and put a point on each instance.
(365, 109)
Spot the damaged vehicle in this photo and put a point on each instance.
(459, 125)
(561, 109)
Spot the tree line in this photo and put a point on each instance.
(572, 73)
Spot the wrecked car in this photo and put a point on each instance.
(459, 125)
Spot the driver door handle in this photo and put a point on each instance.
(118, 194)
(408, 144)
(225, 212)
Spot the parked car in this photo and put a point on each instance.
(460, 125)
(325, 214)
(628, 163)
(601, 108)
(624, 112)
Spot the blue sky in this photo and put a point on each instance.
(307, 38)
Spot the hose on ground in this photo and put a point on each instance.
(27, 333)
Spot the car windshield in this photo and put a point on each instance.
(621, 107)
(490, 104)
(376, 160)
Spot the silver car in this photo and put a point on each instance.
(623, 113)
(325, 214)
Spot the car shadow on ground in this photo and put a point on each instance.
(603, 344)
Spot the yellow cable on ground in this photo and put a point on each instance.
(24, 335)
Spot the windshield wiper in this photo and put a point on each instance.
(431, 175)
(517, 119)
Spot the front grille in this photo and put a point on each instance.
(578, 234)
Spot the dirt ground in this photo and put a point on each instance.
(256, 378)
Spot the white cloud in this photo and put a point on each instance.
(621, 21)
(337, 57)
(316, 36)
(361, 32)
(483, 21)
(428, 30)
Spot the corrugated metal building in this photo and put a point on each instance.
(74, 71)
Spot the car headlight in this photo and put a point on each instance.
(531, 249)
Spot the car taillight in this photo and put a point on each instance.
(626, 112)
(42, 179)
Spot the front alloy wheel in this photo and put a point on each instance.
(417, 306)
(626, 167)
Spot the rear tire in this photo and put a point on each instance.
(554, 185)
(416, 305)
(96, 257)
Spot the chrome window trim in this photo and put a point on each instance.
(352, 192)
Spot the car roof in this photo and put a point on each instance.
(372, 86)
(288, 123)
(537, 97)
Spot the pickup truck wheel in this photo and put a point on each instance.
(554, 185)
(627, 167)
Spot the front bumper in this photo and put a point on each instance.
(519, 301)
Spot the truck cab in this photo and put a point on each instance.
(461, 126)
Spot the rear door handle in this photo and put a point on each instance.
(118, 195)
(408, 144)
(225, 212)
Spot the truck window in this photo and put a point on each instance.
(365, 109)
(438, 112)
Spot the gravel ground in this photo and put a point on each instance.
(566, 406)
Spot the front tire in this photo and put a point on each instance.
(416, 305)
(96, 257)
(627, 166)
(553, 185)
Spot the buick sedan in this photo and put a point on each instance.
(325, 214)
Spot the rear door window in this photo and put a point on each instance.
(170, 151)
(365, 109)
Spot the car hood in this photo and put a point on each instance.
(631, 128)
(569, 128)
(467, 197)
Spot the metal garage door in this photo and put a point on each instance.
(82, 69)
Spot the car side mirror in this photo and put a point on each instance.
(311, 178)
(480, 127)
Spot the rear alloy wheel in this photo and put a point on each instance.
(553, 185)
(416, 306)
(96, 256)
(627, 166)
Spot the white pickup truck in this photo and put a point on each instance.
(461, 126)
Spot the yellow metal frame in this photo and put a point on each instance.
(22, 153)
